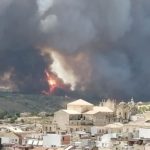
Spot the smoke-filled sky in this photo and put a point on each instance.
(101, 47)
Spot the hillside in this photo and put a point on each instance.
(16, 102)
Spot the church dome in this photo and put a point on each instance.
(140, 103)
(122, 103)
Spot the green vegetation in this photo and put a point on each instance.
(16, 102)
(144, 108)
(13, 119)
(3, 114)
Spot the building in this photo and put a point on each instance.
(81, 115)
(56, 140)
(10, 138)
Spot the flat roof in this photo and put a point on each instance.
(114, 125)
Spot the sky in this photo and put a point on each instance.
(99, 47)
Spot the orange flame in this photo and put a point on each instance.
(53, 83)
(50, 80)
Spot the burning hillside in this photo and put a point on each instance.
(54, 83)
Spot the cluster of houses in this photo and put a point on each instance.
(82, 125)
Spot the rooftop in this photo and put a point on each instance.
(97, 109)
(71, 111)
(114, 125)
(80, 102)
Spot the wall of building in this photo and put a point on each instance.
(147, 146)
(66, 139)
(52, 140)
(61, 118)
(100, 118)
(144, 133)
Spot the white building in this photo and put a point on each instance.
(52, 140)
(9, 138)
(105, 141)
(55, 140)
(144, 133)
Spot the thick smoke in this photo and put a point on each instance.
(104, 44)
(19, 35)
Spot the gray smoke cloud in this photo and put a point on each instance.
(105, 42)
(19, 56)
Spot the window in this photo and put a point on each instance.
(45, 128)
(125, 115)
(71, 129)
(134, 129)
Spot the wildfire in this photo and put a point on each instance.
(50, 80)
(53, 83)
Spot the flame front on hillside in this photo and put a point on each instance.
(54, 83)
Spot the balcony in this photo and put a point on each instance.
(80, 122)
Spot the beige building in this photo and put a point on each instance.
(123, 110)
(147, 116)
(81, 115)
(13, 138)
(114, 128)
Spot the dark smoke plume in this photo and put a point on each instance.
(19, 35)
(105, 42)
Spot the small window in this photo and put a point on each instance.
(134, 130)
(46, 128)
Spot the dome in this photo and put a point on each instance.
(140, 103)
(122, 103)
